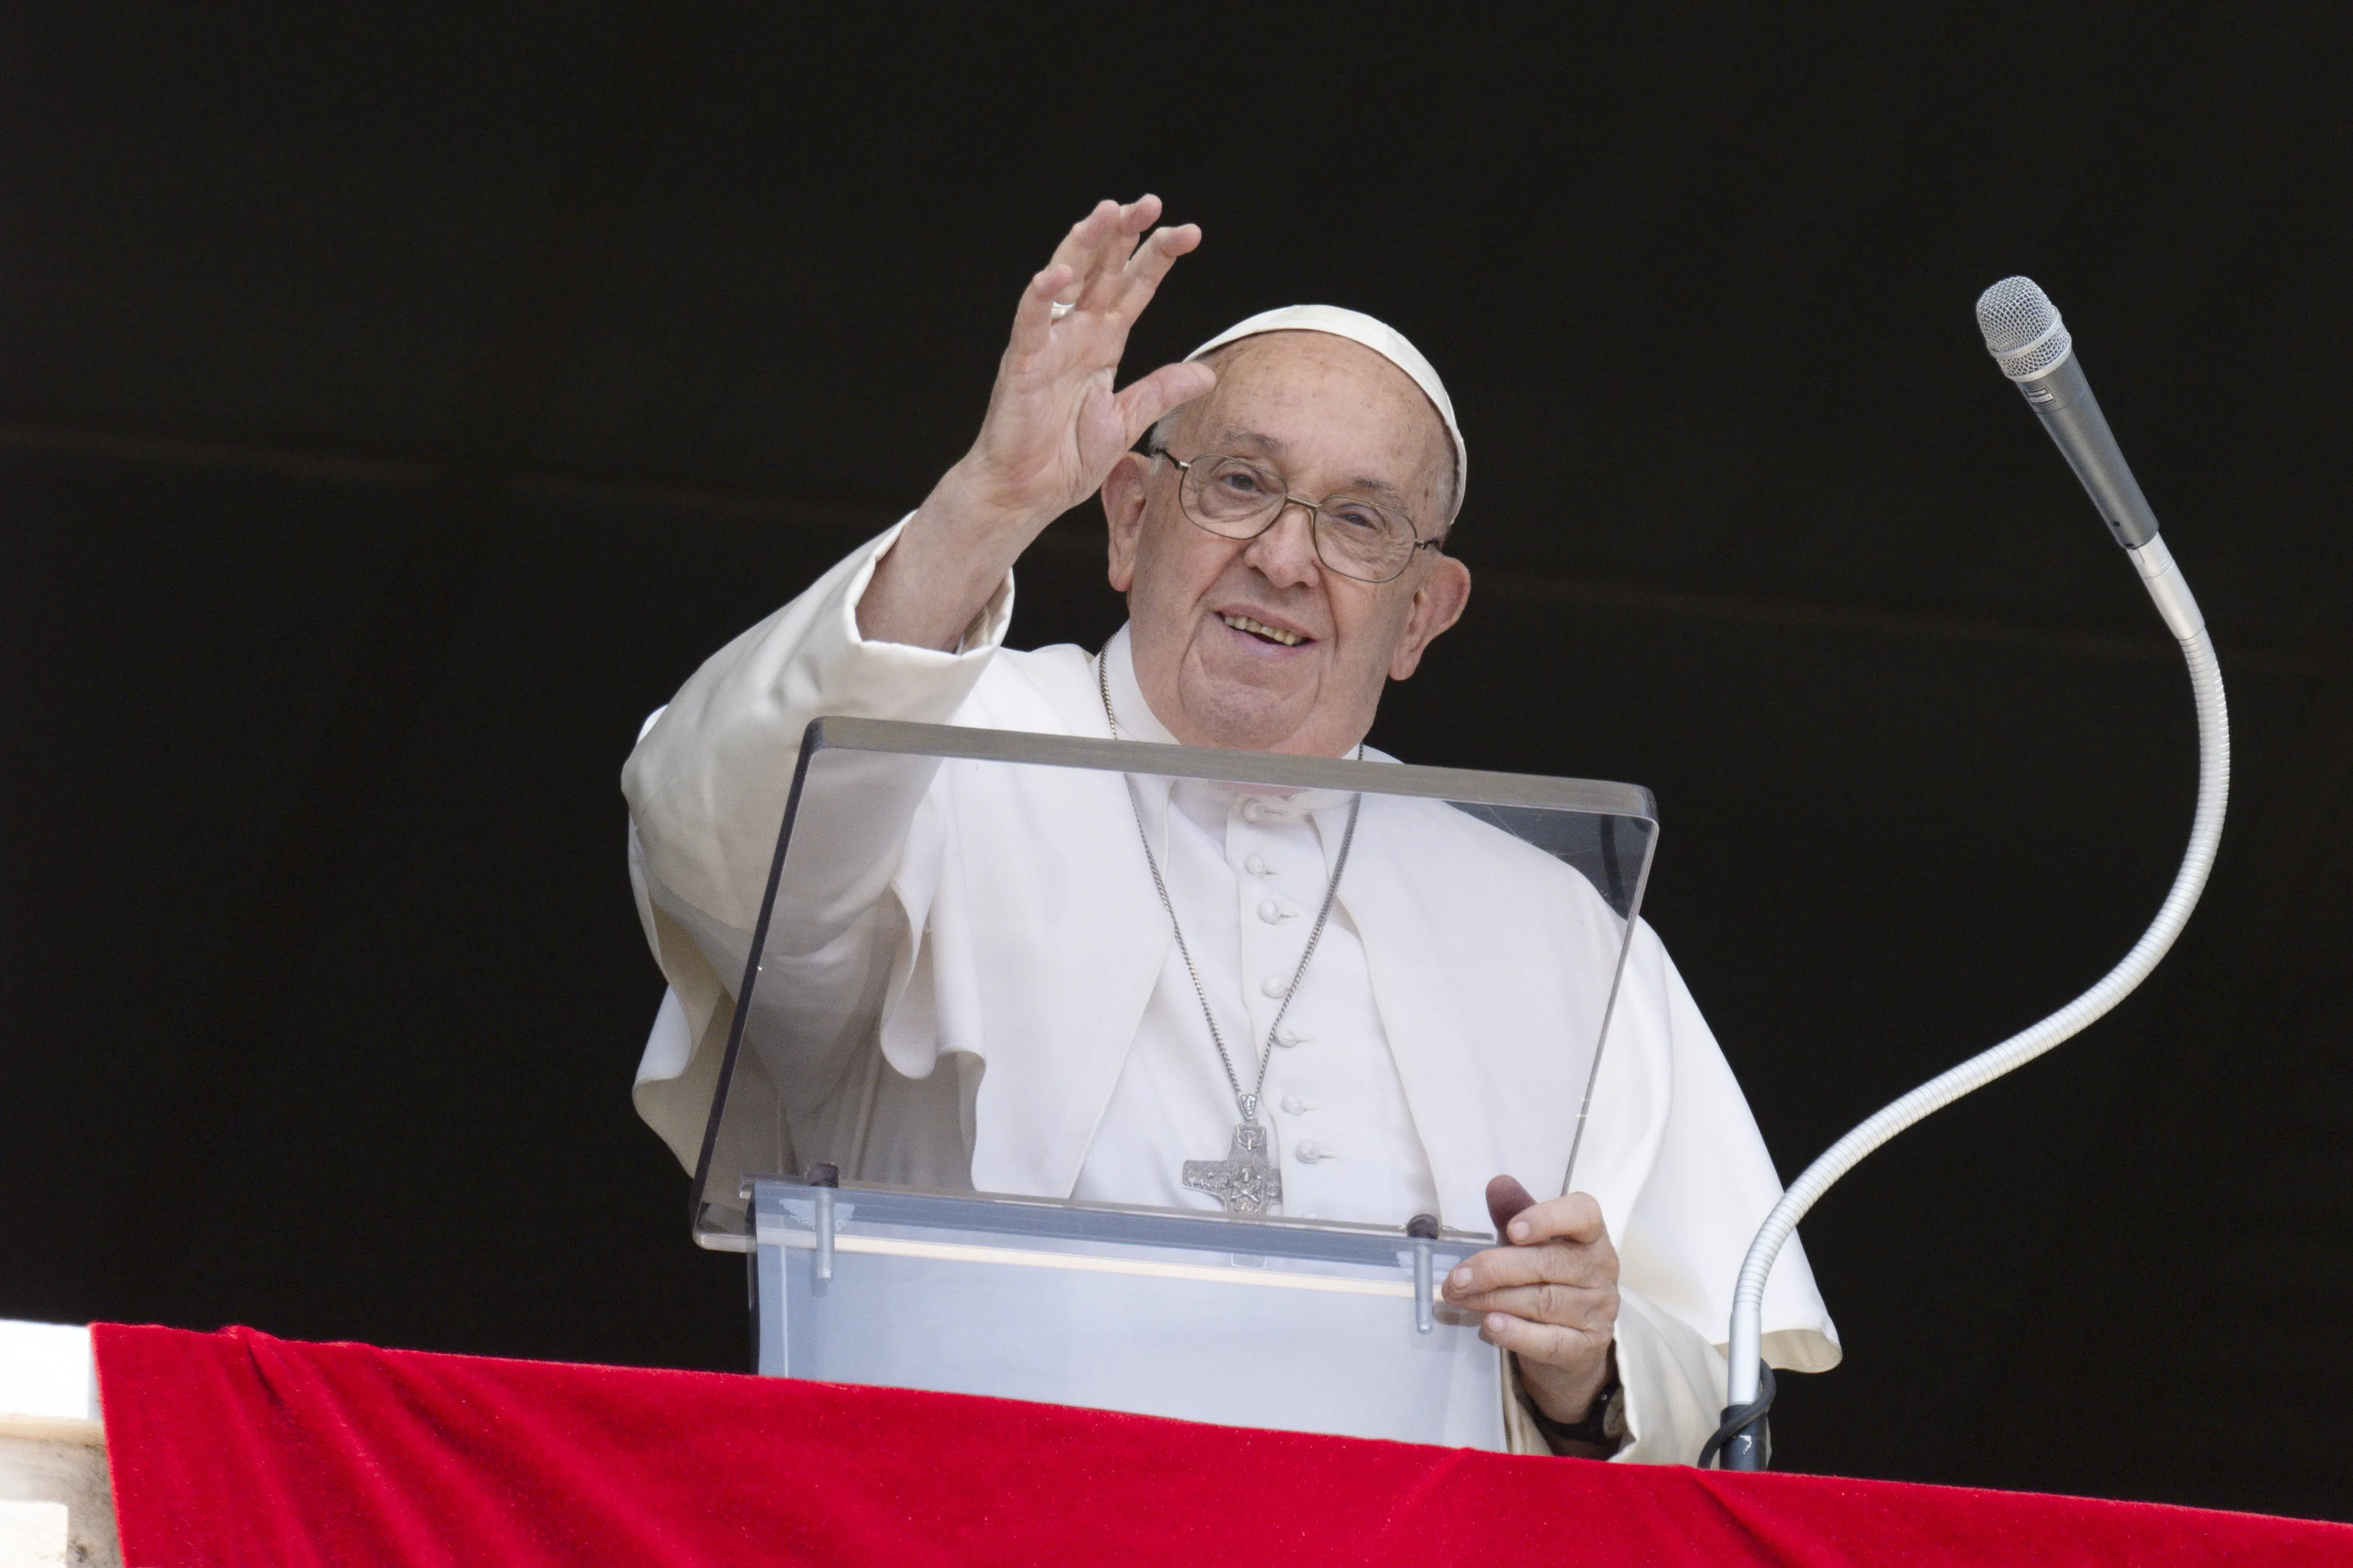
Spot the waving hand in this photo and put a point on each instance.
(1054, 426)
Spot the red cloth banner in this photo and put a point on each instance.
(239, 1449)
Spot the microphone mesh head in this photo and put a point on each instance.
(2022, 330)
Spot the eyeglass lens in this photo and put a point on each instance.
(1354, 536)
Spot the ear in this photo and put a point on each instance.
(1122, 504)
(1437, 604)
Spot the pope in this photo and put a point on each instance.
(1279, 506)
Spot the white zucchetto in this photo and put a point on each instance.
(1377, 335)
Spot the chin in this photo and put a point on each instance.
(1244, 718)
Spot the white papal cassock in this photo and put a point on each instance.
(1440, 1035)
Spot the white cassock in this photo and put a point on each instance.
(1442, 1034)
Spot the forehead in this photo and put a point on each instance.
(1330, 401)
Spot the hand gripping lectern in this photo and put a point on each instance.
(970, 1119)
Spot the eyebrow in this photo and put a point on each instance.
(1274, 446)
(1258, 438)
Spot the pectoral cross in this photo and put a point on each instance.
(1247, 1180)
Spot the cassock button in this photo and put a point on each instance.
(1272, 985)
(1256, 866)
(1309, 1152)
(1294, 1105)
(1252, 810)
(1287, 1035)
(1271, 912)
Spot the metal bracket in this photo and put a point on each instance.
(822, 1223)
(1423, 1229)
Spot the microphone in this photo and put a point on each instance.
(2024, 333)
(2027, 339)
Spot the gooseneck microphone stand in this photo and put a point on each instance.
(2025, 335)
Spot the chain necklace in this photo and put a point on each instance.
(1248, 1179)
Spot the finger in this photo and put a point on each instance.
(1150, 264)
(1558, 1263)
(1546, 1342)
(1077, 251)
(1140, 214)
(1033, 319)
(1144, 403)
(1107, 267)
(1106, 253)
(1576, 1217)
(1591, 1309)
(1506, 1197)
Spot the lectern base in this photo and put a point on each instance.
(1290, 1325)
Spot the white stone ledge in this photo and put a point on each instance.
(56, 1503)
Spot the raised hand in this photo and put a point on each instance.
(1054, 427)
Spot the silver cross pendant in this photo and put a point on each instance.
(1247, 1180)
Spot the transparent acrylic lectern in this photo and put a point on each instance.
(961, 1003)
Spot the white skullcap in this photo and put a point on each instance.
(1378, 336)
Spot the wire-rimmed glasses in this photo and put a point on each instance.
(1234, 498)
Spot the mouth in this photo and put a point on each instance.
(1282, 635)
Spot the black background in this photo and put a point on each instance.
(394, 410)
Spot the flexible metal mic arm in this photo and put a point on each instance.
(2024, 331)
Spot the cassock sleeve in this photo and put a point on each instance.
(707, 786)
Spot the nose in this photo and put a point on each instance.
(1285, 553)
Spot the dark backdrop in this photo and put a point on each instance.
(394, 411)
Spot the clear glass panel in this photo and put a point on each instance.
(967, 981)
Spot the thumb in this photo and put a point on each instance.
(1506, 1198)
(1145, 401)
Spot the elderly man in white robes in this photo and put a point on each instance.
(1282, 546)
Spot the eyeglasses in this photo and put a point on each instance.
(1236, 498)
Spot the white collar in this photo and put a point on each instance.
(1137, 721)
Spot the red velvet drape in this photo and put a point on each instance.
(237, 1449)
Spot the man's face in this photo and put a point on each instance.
(1330, 415)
